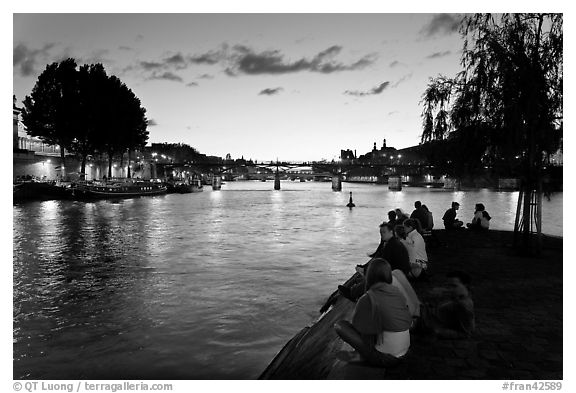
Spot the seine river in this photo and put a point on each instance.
(198, 286)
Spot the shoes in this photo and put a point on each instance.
(361, 269)
(345, 291)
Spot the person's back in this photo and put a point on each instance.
(485, 220)
(386, 308)
(422, 216)
(449, 218)
(381, 320)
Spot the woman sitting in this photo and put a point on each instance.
(400, 216)
(481, 219)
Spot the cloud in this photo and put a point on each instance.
(246, 61)
(437, 55)
(241, 59)
(270, 92)
(404, 78)
(127, 48)
(151, 122)
(394, 64)
(166, 76)
(206, 76)
(176, 60)
(25, 59)
(375, 90)
(392, 113)
(210, 58)
(150, 65)
(191, 84)
(442, 23)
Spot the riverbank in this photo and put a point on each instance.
(518, 304)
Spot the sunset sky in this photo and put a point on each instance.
(262, 86)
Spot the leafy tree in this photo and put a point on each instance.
(49, 111)
(93, 105)
(511, 86)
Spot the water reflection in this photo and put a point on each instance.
(204, 285)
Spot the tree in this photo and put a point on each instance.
(511, 85)
(93, 104)
(48, 112)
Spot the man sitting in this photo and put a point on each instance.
(381, 321)
(450, 221)
(454, 317)
(389, 249)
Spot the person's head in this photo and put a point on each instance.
(386, 231)
(417, 204)
(459, 284)
(379, 270)
(425, 208)
(480, 207)
(410, 224)
(455, 205)
(391, 215)
(400, 231)
(399, 212)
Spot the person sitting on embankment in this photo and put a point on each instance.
(421, 215)
(416, 241)
(481, 219)
(449, 218)
(381, 321)
(400, 216)
(453, 318)
(391, 249)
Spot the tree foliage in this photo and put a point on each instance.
(510, 89)
(85, 111)
(48, 111)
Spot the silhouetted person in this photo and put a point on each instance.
(421, 215)
(450, 221)
(392, 217)
(400, 216)
(481, 219)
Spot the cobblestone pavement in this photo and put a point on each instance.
(518, 304)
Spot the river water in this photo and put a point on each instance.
(198, 286)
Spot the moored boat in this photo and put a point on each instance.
(40, 190)
(184, 187)
(125, 188)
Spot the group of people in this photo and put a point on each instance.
(480, 221)
(387, 307)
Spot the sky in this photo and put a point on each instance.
(295, 87)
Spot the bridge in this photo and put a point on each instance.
(334, 171)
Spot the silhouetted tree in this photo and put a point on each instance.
(49, 112)
(511, 85)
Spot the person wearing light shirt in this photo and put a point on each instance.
(418, 246)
